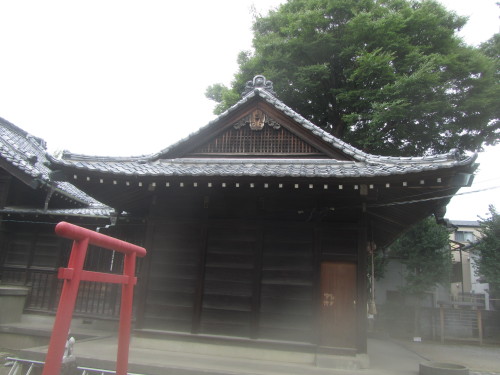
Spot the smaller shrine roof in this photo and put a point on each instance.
(25, 156)
(92, 211)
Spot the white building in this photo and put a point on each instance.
(467, 285)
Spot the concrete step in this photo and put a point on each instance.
(226, 349)
(149, 356)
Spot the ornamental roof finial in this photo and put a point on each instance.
(259, 81)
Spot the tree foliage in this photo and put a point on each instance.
(488, 249)
(388, 76)
(425, 252)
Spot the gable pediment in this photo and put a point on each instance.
(261, 126)
(257, 134)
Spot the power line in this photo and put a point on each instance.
(344, 207)
(432, 198)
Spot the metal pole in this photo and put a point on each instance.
(462, 272)
(480, 326)
(441, 322)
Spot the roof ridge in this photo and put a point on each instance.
(264, 89)
(356, 153)
(23, 133)
(67, 155)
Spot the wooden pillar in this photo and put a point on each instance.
(257, 283)
(142, 290)
(198, 297)
(317, 285)
(362, 285)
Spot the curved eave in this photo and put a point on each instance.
(99, 213)
(311, 168)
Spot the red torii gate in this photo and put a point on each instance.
(72, 276)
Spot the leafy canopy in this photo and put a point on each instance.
(425, 252)
(488, 264)
(388, 76)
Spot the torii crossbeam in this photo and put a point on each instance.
(75, 273)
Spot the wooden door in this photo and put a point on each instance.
(338, 304)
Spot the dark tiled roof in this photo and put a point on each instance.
(363, 165)
(93, 211)
(306, 124)
(465, 223)
(28, 155)
(260, 167)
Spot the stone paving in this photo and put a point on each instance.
(387, 357)
(482, 360)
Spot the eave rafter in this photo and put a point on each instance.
(157, 182)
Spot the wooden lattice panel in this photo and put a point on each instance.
(266, 141)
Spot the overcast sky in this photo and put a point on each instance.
(121, 77)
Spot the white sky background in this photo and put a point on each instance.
(122, 77)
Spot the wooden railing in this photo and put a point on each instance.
(94, 299)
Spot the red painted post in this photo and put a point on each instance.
(125, 316)
(74, 274)
(65, 309)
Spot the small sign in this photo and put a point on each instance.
(328, 299)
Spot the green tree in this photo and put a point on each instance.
(388, 76)
(491, 48)
(488, 249)
(425, 252)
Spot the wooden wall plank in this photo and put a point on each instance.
(287, 284)
(173, 276)
(240, 278)
(229, 272)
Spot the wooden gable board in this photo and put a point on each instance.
(241, 140)
(211, 140)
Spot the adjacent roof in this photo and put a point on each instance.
(100, 211)
(465, 223)
(25, 157)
